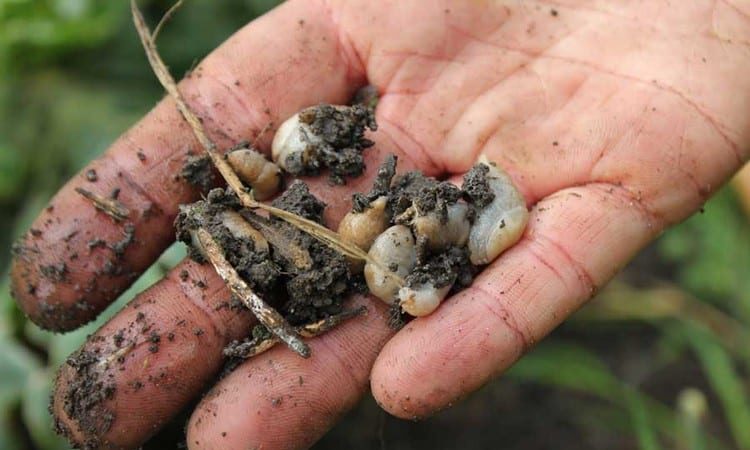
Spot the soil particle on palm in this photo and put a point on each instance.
(367, 96)
(302, 291)
(340, 143)
(119, 247)
(381, 186)
(426, 194)
(297, 199)
(96, 243)
(198, 171)
(451, 266)
(91, 175)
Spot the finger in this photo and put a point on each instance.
(281, 401)
(577, 239)
(77, 259)
(147, 362)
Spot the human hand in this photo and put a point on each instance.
(615, 119)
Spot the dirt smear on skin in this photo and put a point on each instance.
(198, 171)
(84, 399)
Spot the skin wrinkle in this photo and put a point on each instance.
(134, 185)
(430, 166)
(249, 114)
(720, 127)
(586, 287)
(481, 94)
(492, 303)
(742, 13)
(167, 158)
(672, 32)
(715, 26)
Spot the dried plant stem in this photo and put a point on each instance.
(268, 316)
(316, 230)
(311, 330)
(165, 18)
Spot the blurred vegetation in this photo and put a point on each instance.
(660, 360)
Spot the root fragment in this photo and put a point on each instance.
(110, 206)
(268, 316)
(260, 344)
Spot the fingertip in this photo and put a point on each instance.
(437, 360)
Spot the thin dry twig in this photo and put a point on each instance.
(316, 230)
(110, 206)
(165, 18)
(307, 331)
(268, 316)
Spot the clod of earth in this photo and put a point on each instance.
(324, 137)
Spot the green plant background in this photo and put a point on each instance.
(659, 360)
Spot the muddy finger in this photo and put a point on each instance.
(149, 361)
(280, 401)
(112, 220)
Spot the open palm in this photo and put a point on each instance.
(615, 119)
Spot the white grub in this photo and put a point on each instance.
(263, 176)
(500, 224)
(241, 229)
(362, 228)
(440, 235)
(421, 300)
(393, 249)
(293, 138)
(238, 227)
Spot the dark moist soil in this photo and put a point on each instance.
(426, 193)
(451, 266)
(302, 295)
(198, 171)
(343, 142)
(381, 186)
(476, 187)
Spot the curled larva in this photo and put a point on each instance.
(241, 229)
(421, 300)
(396, 250)
(439, 235)
(324, 137)
(361, 228)
(499, 224)
(292, 145)
(263, 176)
